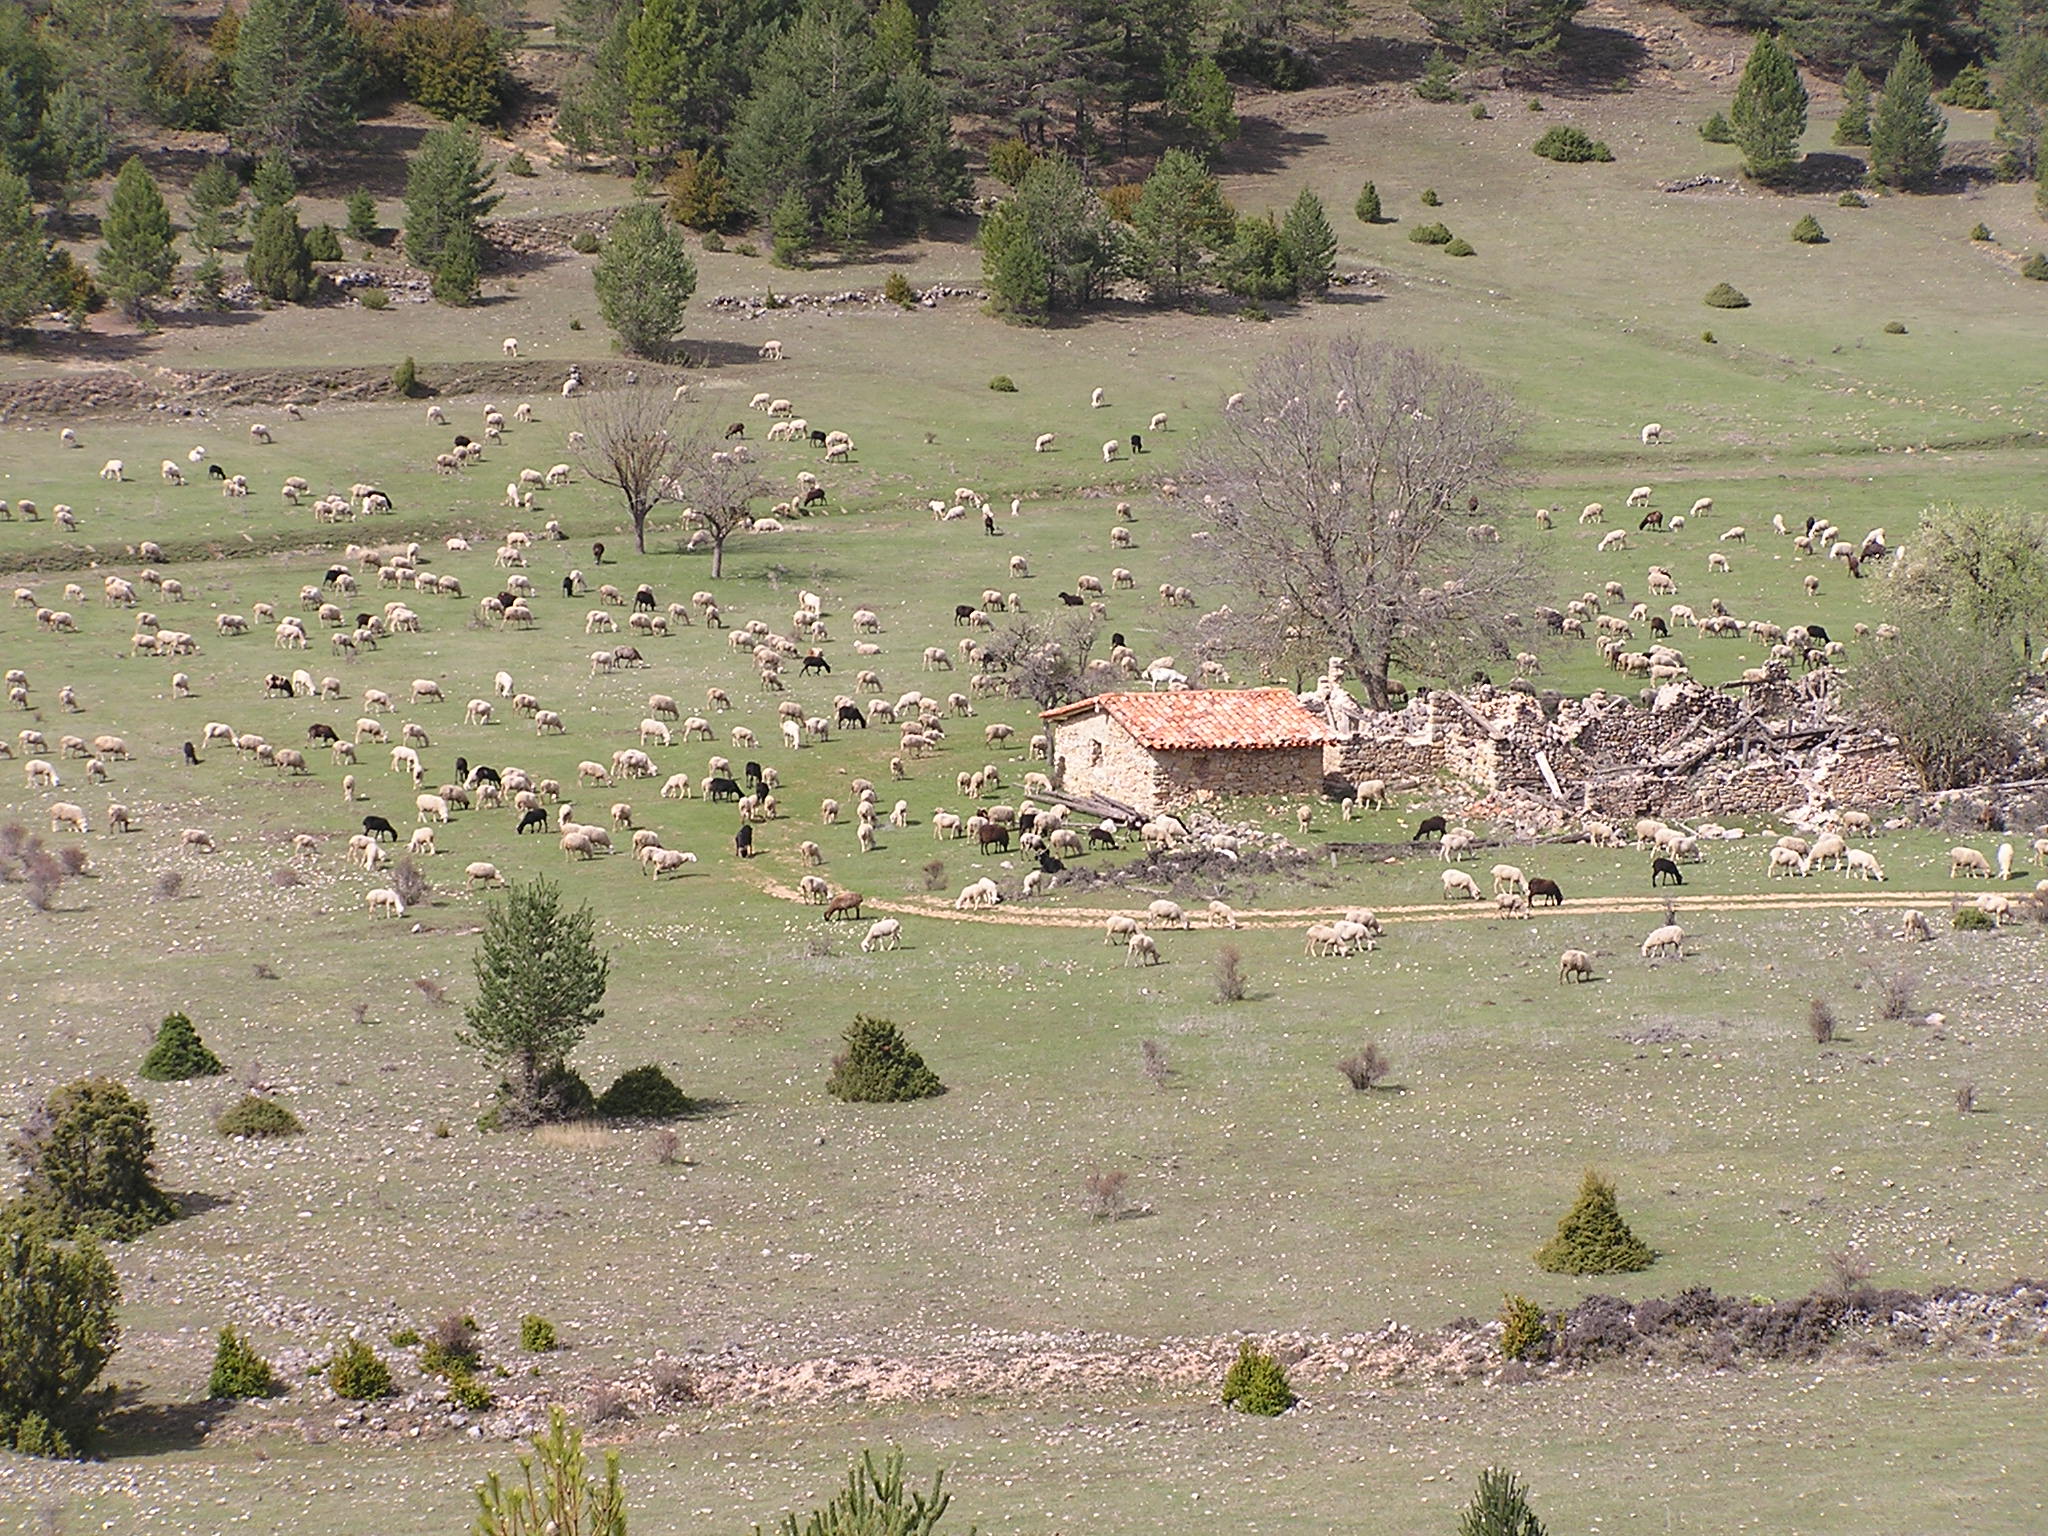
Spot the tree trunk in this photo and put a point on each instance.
(640, 527)
(717, 556)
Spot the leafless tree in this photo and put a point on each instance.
(717, 488)
(631, 446)
(1046, 659)
(1340, 506)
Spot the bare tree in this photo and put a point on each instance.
(1045, 659)
(716, 487)
(631, 446)
(1340, 501)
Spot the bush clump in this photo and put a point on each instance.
(1593, 1239)
(362, 216)
(537, 1334)
(645, 1093)
(1499, 1507)
(1524, 1330)
(2035, 267)
(89, 1149)
(1715, 130)
(1980, 232)
(465, 1391)
(1368, 205)
(1431, 234)
(357, 1373)
(897, 290)
(254, 1115)
(1970, 90)
(374, 298)
(1439, 80)
(1002, 384)
(239, 1372)
(1430, 198)
(179, 1053)
(1972, 920)
(1894, 328)
(1808, 231)
(1852, 200)
(452, 1346)
(57, 1331)
(583, 242)
(1459, 247)
(323, 243)
(1570, 146)
(516, 164)
(878, 1067)
(405, 379)
(1726, 296)
(1257, 1383)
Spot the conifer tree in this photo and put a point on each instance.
(295, 75)
(644, 279)
(136, 256)
(1907, 129)
(1853, 126)
(1769, 114)
(24, 255)
(1311, 245)
(1592, 1239)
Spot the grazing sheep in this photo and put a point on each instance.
(1506, 877)
(197, 840)
(885, 934)
(1140, 949)
(1669, 938)
(1167, 914)
(259, 433)
(1042, 444)
(1220, 915)
(1640, 496)
(1652, 434)
(1574, 965)
(1968, 861)
(384, 902)
(1119, 928)
(1458, 883)
(112, 469)
(1109, 450)
(1914, 929)
(2005, 861)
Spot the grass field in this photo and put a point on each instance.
(1271, 1196)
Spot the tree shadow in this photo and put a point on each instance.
(1590, 60)
(1825, 172)
(709, 353)
(1265, 146)
(90, 346)
(1372, 60)
(137, 1427)
(197, 1202)
(371, 160)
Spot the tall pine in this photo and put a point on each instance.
(296, 80)
(1181, 220)
(644, 279)
(1311, 246)
(1769, 114)
(24, 255)
(447, 188)
(136, 256)
(1853, 126)
(663, 46)
(1907, 130)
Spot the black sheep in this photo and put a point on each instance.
(318, 732)
(962, 612)
(1071, 600)
(334, 574)
(753, 773)
(568, 586)
(535, 820)
(1137, 443)
(643, 599)
(1432, 826)
(735, 429)
(1101, 837)
(1664, 872)
(815, 662)
(723, 789)
(216, 472)
(484, 773)
(743, 840)
(1048, 863)
(1541, 889)
(191, 756)
(849, 714)
(462, 770)
(379, 828)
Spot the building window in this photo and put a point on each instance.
(1094, 754)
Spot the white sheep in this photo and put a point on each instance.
(112, 469)
(884, 934)
(259, 433)
(1119, 928)
(1041, 444)
(511, 346)
(2005, 861)
(1167, 914)
(384, 902)
(1574, 965)
(1913, 927)
(1968, 861)
(1669, 938)
(1653, 433)
(1458, 883)
(1640, 496)
(1157, 423)
(1109, 450)
(1141, 949)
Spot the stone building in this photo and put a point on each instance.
(1154, 751)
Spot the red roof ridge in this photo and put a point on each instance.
(1206, 719)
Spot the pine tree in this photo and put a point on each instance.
(1368, 205)
(1853, 126)
(178, 1053)
(279, 265)
(239, 1372)
(850, 220)
(699, 196)
(1499, 1508)
(1501, 29)
(57, 1332)
(1907, 129)
(75, 142)
(24, 256)
(1202, 102)
(540, 987)
(90, 1153)
(136, 256)
(28, 73)
(789, 224)
(879, 1067)
(2023, 105)
(644, 280)
(1769, 114)
(1311, 245)
(1014, 269)
(274, 184)
(897, 46)
(296, 80)
(211, 202)
(458, 279)
(362, 216)
(1970, 89)
(447, 187)
(926, 173)
(124, 48)
(1181, 219)
(1592, 1239)
(662, 44)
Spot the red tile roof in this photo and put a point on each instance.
(1206, 719)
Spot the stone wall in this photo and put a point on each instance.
(1093, 755)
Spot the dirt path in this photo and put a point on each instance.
(1422, 912)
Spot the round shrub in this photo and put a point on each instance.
(645, 1093)
(179, 1053)
(714, 242)
(405, 379)
(897, 290)
(1479, 112)
(465, 1391)
(1368, 205)
(1430, 234)
(1707, 337)
(1852, 200)
(1002, 385)
(878, 1067)
(1972, 920)
(2036, 267)
(374, 298)
(1459, 247)
(1980, 232)
(452, 1347)
(1726, 296)
(1808, 231)
(1894, 328)
(1715, 130)
(584, 242)
(89, 1151)
(239, 1372)
(1430, 199)
(537, 1334)
(1570, 146)
(357, 1373)
(1970, 90)
(255, 1115)
(1257, 1383)
(1593, 1239)
(516, 164)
